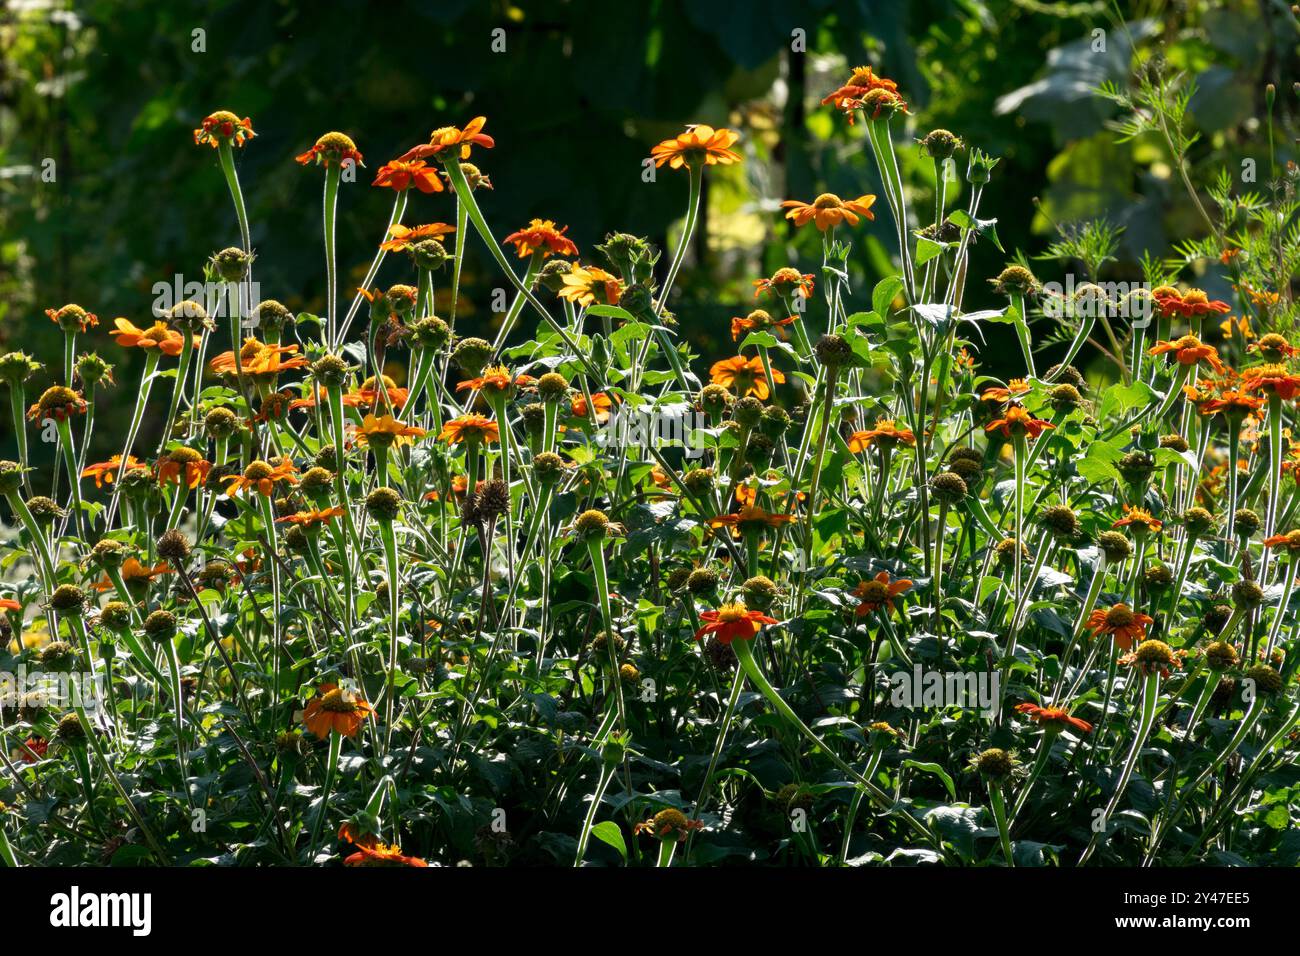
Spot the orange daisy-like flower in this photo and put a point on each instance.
(158, 336)
(886, 434)
(669, 824)
(332, 149)
(470, 428)
(1290, 541)
(1053, 718)
(335, 710)
(1120, 622)
(183, 466)
(57, 402)
(312, 516)
(401, 176)
(1189, 350)
(542, 236)
(261, 476)
(750, 518)
(785, 282)
(381, 854)
(368, 394)
(1139, 519)
(406, 236)
(223, 127)
(1186, 305)
(586, 285)
(879, 592)
(105, 472)
(756, 321)
(274, 359)
(744, 376)
(448, 139)
(733, 621)
(134, 575)
(1016, 420)
(1234, 403)
(997, 393)
(495, 380)
(1242, 325)
(829, 210)
(604, 405)
(1271, 379)
(861, 82)
(698, 144)
(385, 431)
(77, 316)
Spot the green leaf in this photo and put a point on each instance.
(607, 831)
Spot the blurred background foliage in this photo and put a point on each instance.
(110, 91)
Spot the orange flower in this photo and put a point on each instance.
(105, 472)
(336, 710)
(312, 516)
(886, 434)
(1017, 386)
(603, 403)
(1189, 350)
(381, 854)
(784, 282)
(261, 476)
(446, 139)
(57, 402)
(1271, 379)
(750, 518)
(1290, 541)
(332, 149)
(158, 336)
(587, 284)
(495, 379)
(861, 82)
(183, 465)
(385, 431)
(829, 210)
(134, 574)
(400, 176)
(1140, 519)
(368, 394)
(697, 144)
(733, 621)
(1243, 326)
(73, 314)
(1232, 402)
(1016, 419)
(1121, 622)
(1187, 304)
(405, 236)
(878, 592)
(9, 604)
(223, 126)
(470, 428)
(756, 321)
(542, 236)
(1054, 719)
(744, 376)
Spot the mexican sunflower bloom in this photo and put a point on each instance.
(406, 236)
(332, 149)
(829, 210)
(1139, 519)
(494, 380)
(744, 376)
(57, 402)
(698, 144)
(446, 139)
(401, 176)
(541, 235)
(998, 393)
(669, 824)
(260, 476)
(586, 285)
(381, 854)
(1290, 541)
(105, 472)
(385, 431)
(1016, 420)
(784, 282)
(475, 428)
(335, 710)
(861, 82)
(311, 517)
(158, 336)
(879, 592)
(886, 434)
(73, 317)
(1153, 657)
(602, 403)
(1189, 350)
(750, 518)
(1053, 718)
(223, 126)
(1186, 305)
(1271, 379)
(733, 621)
(756, 321)
(134, 574)
(1121, 622)
(183, 466)
(1232, 402)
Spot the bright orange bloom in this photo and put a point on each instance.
(1053, 718)
(405, 236)
(744, 376)
(698, 144)
(1016, 419)
(261, 476)
(861, 82)
(1189, 350)
(733, 621)
(470, 428)
(1140, 518)
(183, 466)
(786, 281)
(251, 350)
(542, 236)
(829, 210)
(1187, 304)
(158, 336)
(879, 592)
(368, 394)
(750, 518)
(312, 516)
(9, 604)
(223, 125)
(603, 403)
(756, 321)
(495, 379)
(57, 402)
(335, 710)
(381, 854)
(86, 320)
(1232, 402)
(332, 149)
(1275, 345)
(388, 430)
(586, 285)
(886, 434)
(1290, 541)
(446, 139)
(400, 176)
(1271, 379)
(134, 574)
(1121, 622)
(996, 393)
(459, 485)
(105, 472)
